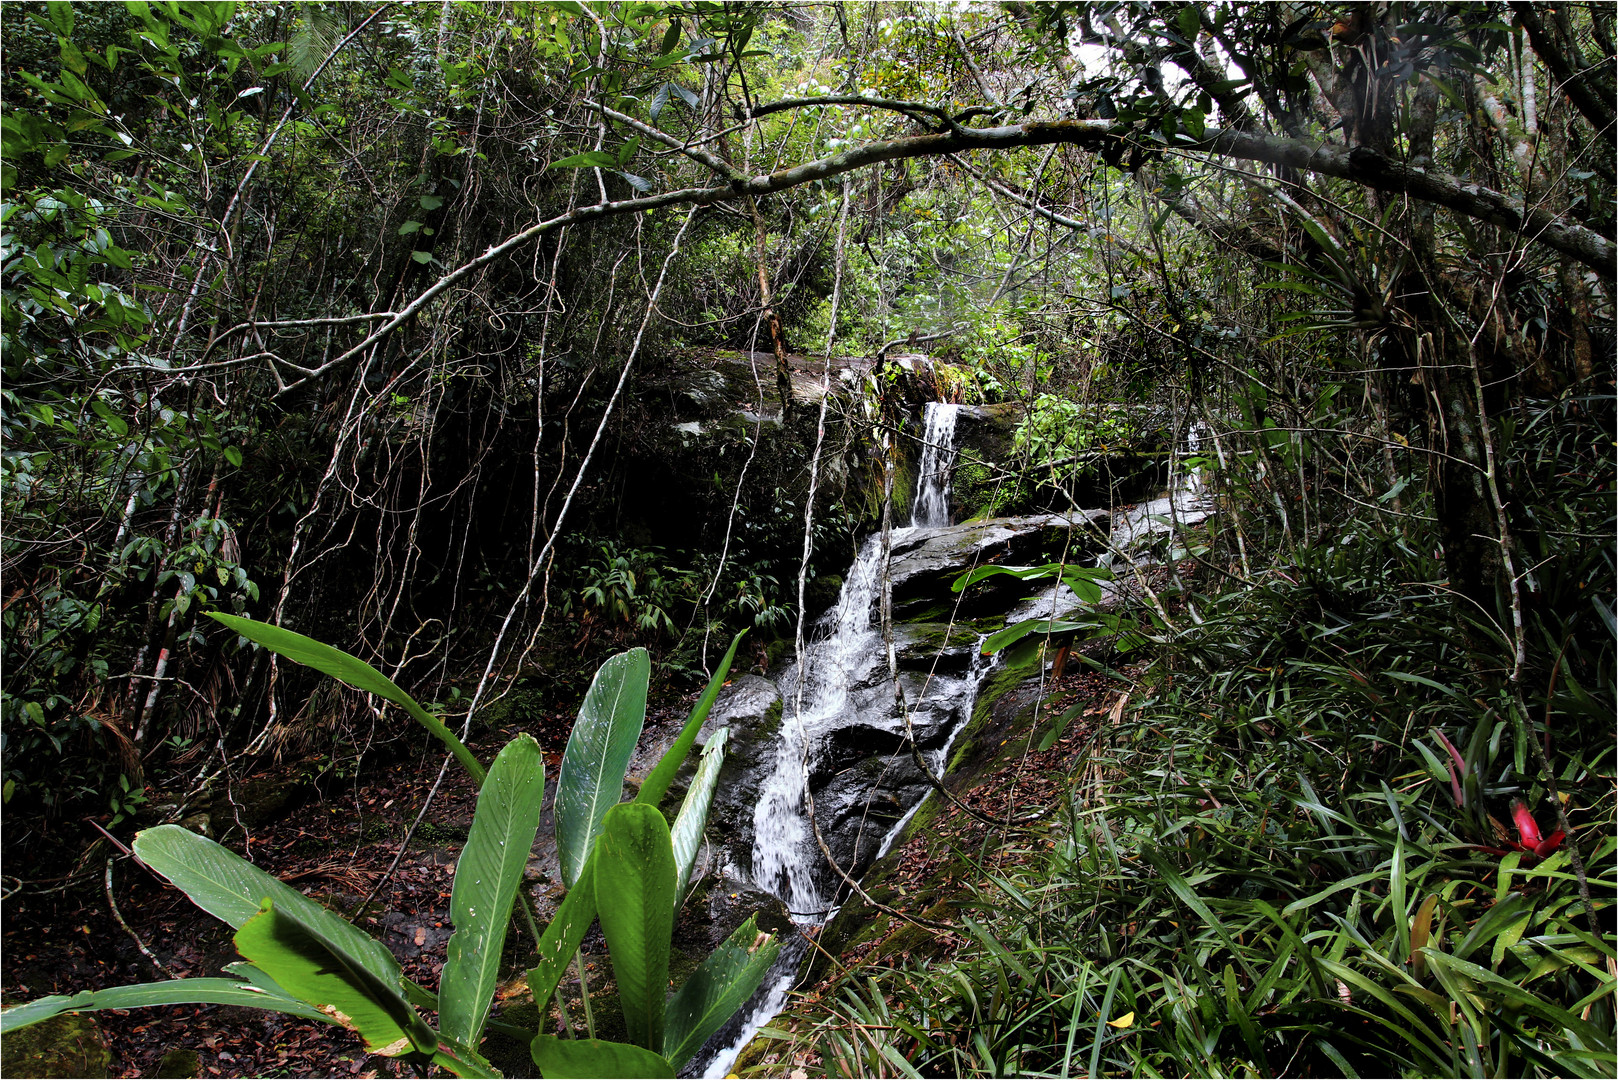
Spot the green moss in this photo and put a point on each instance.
(179, 1065)
(972, 483)
(777, 650)
(1020, 662)
(822, 593)
(68, 1045)
(934, 637)
(435, 834)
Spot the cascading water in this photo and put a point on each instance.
(844, 683)
(786, 860)
(931, 508)
(841, 682)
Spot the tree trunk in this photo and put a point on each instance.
(783, 373)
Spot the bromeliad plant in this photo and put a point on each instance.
(622, 862)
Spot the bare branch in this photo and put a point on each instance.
(1359, 165)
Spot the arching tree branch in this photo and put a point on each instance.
(1358, 165)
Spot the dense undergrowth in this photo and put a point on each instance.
(1320, 841)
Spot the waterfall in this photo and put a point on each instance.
(816, 700)
(786, 860)
(931, 508)
(842, 681)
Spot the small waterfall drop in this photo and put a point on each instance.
(786, 860)
(843, 681)
(931, 508)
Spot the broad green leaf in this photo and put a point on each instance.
(463, 1061)
(599, 159)
(659, 100)
(1081, 579)
(561, 1059)
(323, 973)
(591, 778)
(657, 782)
(686, 832)
(487, 878)
(562, 937)
(351, 670)
(634, 880)
(720, 985)
(1017, 631)
(230, 888)
(1190, 21)
(60, 14)
(170, 992)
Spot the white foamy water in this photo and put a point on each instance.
(818, 700)
(785, 856)
(931, 508)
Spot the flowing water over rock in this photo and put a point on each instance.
(931, 508)
(833, 742)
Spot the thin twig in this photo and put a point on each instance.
(116, 914)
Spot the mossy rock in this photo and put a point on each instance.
(437, 834)
(71, 1044)
(258, 800)
(1021, 662)
(820, 594)
(179, 1065)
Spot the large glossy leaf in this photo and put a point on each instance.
(591, 779)
(1017, 631)
(463, 1061)
(487, 877)
(171, 992)
(562, 938)
(634, 878)
(1081, 579)
(657, 782)
(322, 973)
(713, 993)
(351, 670)
(686, 834)
(584, 1059)
(229, 887)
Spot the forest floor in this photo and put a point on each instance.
(336, 847)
